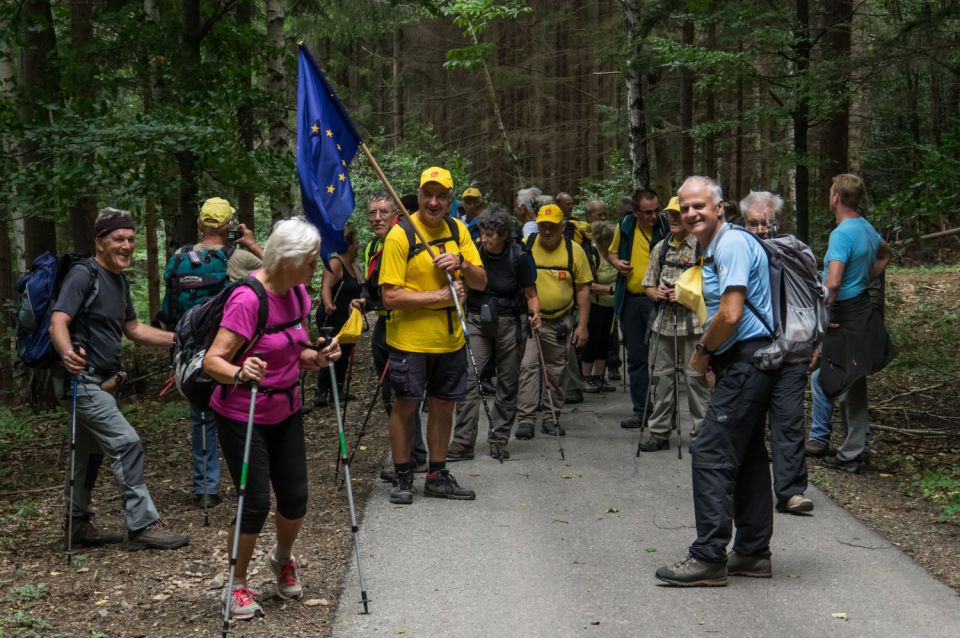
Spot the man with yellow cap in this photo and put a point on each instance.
(427, 353)
(676, 331)
(563, 285)
(193, 273)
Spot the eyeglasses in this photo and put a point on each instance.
(379, 213)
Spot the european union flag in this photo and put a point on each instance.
(326, 143)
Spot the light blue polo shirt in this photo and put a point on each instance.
(855, 243)
(738, 260)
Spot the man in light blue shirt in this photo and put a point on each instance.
(731, 478)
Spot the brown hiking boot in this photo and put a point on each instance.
(751, 566)
(154, 536)
(460, 452)
(86, 534)
(816, 449)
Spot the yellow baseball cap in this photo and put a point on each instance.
(216, 212)
(471, 192)
(436, 174)
(550, 213)
(674, 205)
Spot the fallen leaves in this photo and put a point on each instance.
(839, 615)
(315, 602)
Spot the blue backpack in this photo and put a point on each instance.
(191, 277)
(38, 289)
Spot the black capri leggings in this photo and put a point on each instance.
(277, 456)
(599, 325)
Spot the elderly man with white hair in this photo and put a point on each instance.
(761, 213)
(525, 208)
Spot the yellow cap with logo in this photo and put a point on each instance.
(471, 192)
(216, 212)
(674, 205)
(436, 174)
(550, 213)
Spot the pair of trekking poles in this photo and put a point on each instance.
(354, 528)
(677, 365)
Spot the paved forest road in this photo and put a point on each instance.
(553, 549)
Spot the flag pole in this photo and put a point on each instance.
(396, 198)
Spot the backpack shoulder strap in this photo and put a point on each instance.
(568, 244)
(454, 229)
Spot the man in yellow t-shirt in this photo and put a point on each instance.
(563, 285)
(427, 357)
(630, 254)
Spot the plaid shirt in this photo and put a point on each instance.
(679, 257)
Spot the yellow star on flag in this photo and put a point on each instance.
(329, 133)
(339, 148)
(330, 188)
(342, 177)
(344, 162)
(314, 129)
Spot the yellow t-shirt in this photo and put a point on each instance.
(639, 256)
(434, 328)
(554, 288)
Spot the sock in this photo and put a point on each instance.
(239, 583)
(281, 554)
(401, 468)
(433, 468)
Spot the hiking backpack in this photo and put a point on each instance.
(38, 289)
(191, 277)
(568, 245)
(197, 328)
(798, 299)
(413, 242)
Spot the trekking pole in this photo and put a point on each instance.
(623, 360)
(651, 366)
(68, 542)
(346, 401)
(327, 334)
(203, 447)
(366, 418)
(676, 382)
(248, 437)
(548, 388)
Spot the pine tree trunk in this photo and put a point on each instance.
(834, 134)
(8, 264)
(279, 128)
(710, 114)
(245, 119)
(801, 120)
(186, 229)
(635, 106)
(81, 84)
(686, 106)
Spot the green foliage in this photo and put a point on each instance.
(942, 487)
(28, 593)
(925, 332)
(22, 625)
(615, 183)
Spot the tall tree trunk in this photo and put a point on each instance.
(8, 265)
(245, 120)
(396, 92)
(710, 113)
(736, 190)
(834, 134)
(151, 13)
(686, 106)
(189, 193)
(40, 85)
(801, 118)
(82, 90)
(279, 128)
(635, 106)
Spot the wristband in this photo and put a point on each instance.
(460, 265)
(236, 377)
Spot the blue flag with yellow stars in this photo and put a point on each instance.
(326, 143)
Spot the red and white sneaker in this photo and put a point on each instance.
(243, 606)
(288, 578)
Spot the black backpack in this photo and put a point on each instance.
(415, 247)
(568, 244)
(197, 328)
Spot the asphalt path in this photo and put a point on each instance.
(555, 548)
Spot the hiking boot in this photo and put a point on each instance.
(154, 536)
(693, 572)
(387, 473)
(525, 431)
(86, 534)
(590, 385)
(816, 449)
(835, 463)
(499, 450)
(441, 484)
(603, 385)
(402, 493)
(574, 395)
(614, 374)
(488, 388)
(752, 566)
(796, 504)
(460, 452)
(548, 428)
(288, 577)
(206, 500)
(320, 401)
(655, 444)
(634, 422)
(242, 604)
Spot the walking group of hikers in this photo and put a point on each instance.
(536, 302)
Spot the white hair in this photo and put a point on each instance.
(775, 202)
(542, 201)
(527, 197)
(292, 240)
(716, 193)
(112, 213)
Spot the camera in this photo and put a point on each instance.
(235, 234)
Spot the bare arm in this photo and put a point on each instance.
(147, 335)
(474, 276)
(217, 362)
(533, 306)
(75, 362)
(652, 293)
(399, 298)
(884, 253)
(580, 334)
(248, 242)
(335, 276)
(834, 279)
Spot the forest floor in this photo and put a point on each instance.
(909, 493)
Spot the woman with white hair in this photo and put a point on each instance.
(244, 352)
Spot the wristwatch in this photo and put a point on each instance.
(702, 350)
(460, 265)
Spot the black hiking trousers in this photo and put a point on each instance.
(731, 476)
